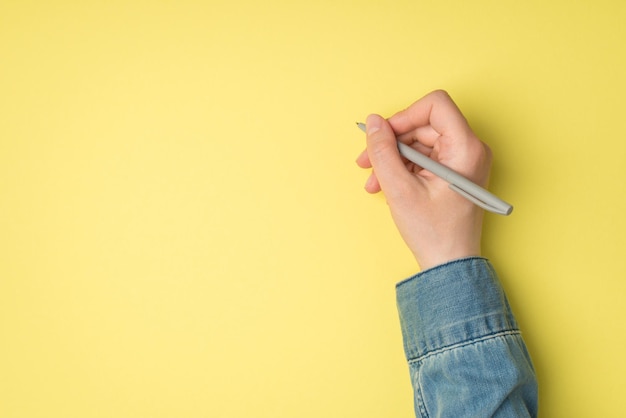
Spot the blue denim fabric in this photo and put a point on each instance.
(466, 355)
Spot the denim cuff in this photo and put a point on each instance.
(451, 304)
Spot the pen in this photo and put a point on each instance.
(466, 188)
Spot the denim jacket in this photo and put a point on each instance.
(465, 352)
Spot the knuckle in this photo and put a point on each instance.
(380, 151)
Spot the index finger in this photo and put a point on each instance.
(436, 110)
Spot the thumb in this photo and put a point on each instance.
(382, 150)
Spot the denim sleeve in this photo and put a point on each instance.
(466, 355)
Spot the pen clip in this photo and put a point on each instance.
(505, 210)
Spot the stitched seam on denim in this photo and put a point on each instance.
(464, 344)
(420, 400)
(420, 406)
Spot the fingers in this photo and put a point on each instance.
(372, 185)
(422, 125)
(363, 160)
(433, 115)
(383, 155)
(423, 137)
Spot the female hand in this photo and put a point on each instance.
(437, 224)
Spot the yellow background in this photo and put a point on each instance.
(184, 233)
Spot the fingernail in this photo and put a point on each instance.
(372, 124)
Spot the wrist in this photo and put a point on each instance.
(444, 242)
(441, 258)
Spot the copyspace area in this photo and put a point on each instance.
(184, 232)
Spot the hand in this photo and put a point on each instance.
(437, 224)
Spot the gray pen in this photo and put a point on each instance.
(469, 190)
